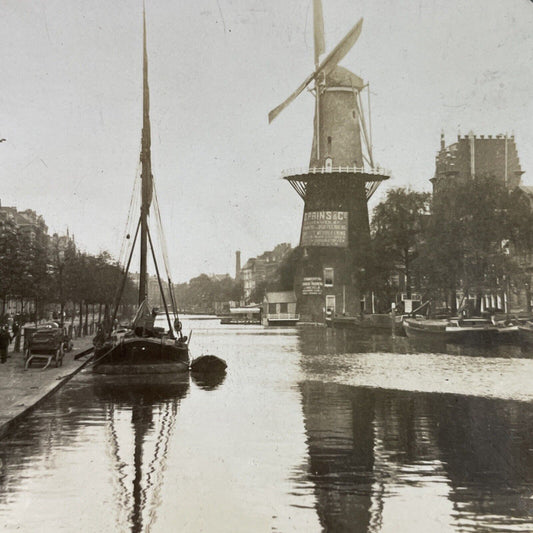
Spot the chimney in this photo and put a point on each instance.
(238, 265)
(442, 142)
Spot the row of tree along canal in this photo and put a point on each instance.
(55, 276)
(475, 237)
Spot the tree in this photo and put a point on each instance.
(9, 259)
(258, 292)
(287, 270)
(397, 233)
(467, 247)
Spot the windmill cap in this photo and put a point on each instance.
(342, 77)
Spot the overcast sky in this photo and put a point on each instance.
(71, 107)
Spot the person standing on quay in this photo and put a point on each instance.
(16, 335)
(5, 339)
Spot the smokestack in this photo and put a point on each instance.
(442, 143)
(238, 265)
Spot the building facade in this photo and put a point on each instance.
(494, 157)
(478, 155)
(263, 268)
(29, 231)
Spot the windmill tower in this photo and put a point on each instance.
(335, 188)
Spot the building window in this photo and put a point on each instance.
(329, 164)
(328, 277)
(329, 145)
(283, 308)
(272, 309)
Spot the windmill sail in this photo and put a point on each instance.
(318, 22)
(275, 112)
(338, 53)
(326, 66)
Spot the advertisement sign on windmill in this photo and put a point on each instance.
(335, 188)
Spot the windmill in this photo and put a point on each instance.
(336, 186)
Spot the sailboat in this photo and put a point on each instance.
(143, 348)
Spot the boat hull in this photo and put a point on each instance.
(142, 356)
(443, 332)
(525, 334)
(282, 321)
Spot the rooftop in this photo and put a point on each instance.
(280, 297)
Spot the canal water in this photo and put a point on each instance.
(312, 429)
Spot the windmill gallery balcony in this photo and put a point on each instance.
(299, 177)
(378, 173)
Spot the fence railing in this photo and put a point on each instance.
(282, 316)
(376, 171)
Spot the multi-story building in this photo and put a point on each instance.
(262, 268)
(478, 155)
(28, 222)
(31, 228)
(496, 157)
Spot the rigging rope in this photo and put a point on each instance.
(161, 234)
(134, 203)
(164, 250)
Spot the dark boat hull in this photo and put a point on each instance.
(139, 355)
(525, 334)
(442, 333)
(283, 321)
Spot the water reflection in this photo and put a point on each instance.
(398, 461)
(209, 380)
(293, 439)
(153, 409)
(38, 437)
(315, 340)
(361, 358)
(95, 443)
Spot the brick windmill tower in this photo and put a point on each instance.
(341, 177)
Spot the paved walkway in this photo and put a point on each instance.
(21, 390)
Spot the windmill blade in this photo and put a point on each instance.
(329, 63)
(340, 50)
(276, 111)
(318, 23)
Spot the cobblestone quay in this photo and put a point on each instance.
(21, 390)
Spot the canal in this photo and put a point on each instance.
(312, 429)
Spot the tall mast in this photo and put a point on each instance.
(146, 174)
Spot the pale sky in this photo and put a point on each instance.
(71, 107)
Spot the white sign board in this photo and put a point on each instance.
(325, 228)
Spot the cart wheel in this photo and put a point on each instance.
(56, 357)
